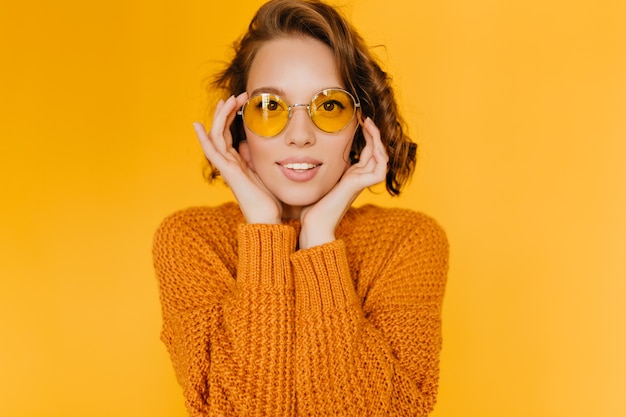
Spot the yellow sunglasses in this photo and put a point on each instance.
(267, 114)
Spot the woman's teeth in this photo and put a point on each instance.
(300, 166)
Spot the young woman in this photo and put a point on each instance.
(291, 302)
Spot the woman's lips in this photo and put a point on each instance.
(299, 171)
(302, 166)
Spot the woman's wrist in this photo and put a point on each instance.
(260, 216)
(262, 220)
(315, 237)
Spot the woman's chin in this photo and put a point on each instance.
(299, 198)
(292, 207)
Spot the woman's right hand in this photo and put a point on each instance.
(257, 203)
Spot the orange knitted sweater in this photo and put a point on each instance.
(256, 327)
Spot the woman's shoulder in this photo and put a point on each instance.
(391, 229)
(203, 214)
(400, 220)
(201, 220)
(396, 233)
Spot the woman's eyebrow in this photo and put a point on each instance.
(279, 92)
(271, 90)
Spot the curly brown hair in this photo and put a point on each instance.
(358, 67)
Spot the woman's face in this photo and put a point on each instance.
(302, 163)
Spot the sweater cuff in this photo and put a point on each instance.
(264, 251)
(322, 278)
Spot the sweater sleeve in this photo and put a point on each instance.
(375, 356)
(230, 338)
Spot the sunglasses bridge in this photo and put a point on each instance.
(308, 108)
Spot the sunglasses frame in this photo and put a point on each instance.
(357, 105)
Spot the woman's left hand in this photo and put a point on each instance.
(319, 220)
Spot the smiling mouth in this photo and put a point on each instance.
(300, 167)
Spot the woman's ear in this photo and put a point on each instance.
(244, 151)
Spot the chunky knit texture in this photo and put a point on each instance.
(256, 327)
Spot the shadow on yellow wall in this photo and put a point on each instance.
(519, 111)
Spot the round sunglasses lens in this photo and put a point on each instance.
(332, 110)
(266, 114)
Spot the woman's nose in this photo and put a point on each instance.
(301, 130)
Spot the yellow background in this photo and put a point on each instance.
(520, 110)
